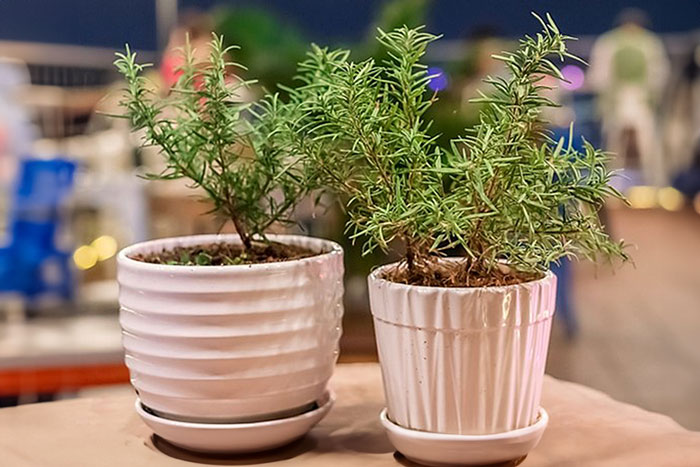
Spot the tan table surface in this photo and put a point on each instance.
(587, 428)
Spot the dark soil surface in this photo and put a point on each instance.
(220, 254)
(456, 274)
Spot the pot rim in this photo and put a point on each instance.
(329, 249)
(374, 277)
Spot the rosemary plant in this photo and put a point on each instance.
(227, 148)
(505, 192)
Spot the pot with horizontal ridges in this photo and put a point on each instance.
(227, 344)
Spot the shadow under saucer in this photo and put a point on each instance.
(294, 449)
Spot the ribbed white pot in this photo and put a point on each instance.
(462, 360)
(231, 343)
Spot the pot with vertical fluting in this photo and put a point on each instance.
(466, 361)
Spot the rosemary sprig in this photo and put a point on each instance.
(228, 148)
(504, 191)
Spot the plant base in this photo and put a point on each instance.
(225, 254)
(442, 450)
(236, 438)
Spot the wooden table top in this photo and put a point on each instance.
(587, 428)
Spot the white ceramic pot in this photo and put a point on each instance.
(231, 343)
(464, 361)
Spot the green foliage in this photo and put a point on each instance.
(361, 124)
(206, 134)
(539, 199)
(505, 191)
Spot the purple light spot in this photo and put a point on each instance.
(438, 78)
(575, 77)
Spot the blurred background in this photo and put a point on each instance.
(70, 196)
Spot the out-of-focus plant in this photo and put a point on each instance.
(391, 15)
(269, 47)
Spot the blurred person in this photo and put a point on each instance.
(195, 26)
(629, 69)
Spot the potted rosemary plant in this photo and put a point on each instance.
(223, 329)
(462, 340)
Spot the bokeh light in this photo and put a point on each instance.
(105, 246)
(642, 197)
(575, 77)
(438, 80)
(671, 199)
(85, 257)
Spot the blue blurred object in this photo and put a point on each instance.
(587, 120)
(31, 264)
(564, 308)
(438, 80)
(559, 132)
(688, 180)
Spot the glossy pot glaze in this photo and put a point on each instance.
(231, 343)
(466, 361)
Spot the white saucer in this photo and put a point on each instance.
(436, 449)
(236, 437)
